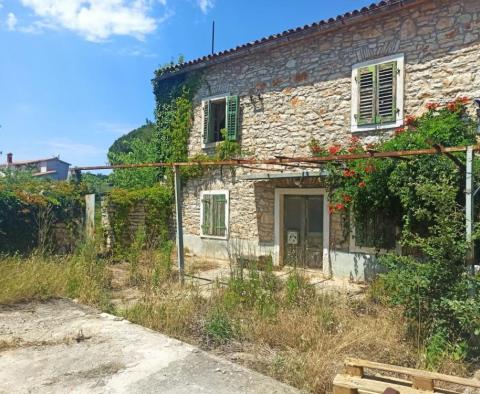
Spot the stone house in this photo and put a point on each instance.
(358, 74)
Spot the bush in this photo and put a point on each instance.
(157, 202)
(218, 327)
(31, 208)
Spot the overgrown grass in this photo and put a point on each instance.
(289, 330)
(283, 328)
(38, 277)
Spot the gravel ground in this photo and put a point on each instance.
(59, 346)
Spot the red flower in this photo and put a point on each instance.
(316, 149)
(362, 184)
(354, 140)
(347, 198)
(410, 120)
(339, 206)
(331, 208)
(452, 106)
(432, 106)
(348, 173)
(399, 130)
(333, 150)
(352, 149)
(463, 100)
(369, 169)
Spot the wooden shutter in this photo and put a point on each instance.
(207, 122)
(207, 214)
(386, 92)
(366, 81)
(232, 118)
(219, 202)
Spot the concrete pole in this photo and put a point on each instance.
(179, 222)
(90, 216)
(469, 204)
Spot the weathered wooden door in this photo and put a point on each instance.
(303, 231)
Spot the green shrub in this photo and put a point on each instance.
(298, 289)
(30, 209)
(218, 327)
(157, 202)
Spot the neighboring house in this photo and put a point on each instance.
(353, 75)
(50, 167)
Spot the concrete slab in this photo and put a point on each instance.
(60, 346)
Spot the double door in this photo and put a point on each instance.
(303, 230)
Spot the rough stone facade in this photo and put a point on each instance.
(296, 91)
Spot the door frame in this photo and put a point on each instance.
(279, 221)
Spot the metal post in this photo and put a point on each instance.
(178, 210)
(469, 205)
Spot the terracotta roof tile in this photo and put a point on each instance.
(313, 27)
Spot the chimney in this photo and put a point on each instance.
(9, 158)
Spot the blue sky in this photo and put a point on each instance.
(75, 74)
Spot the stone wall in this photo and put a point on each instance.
(305, 87)
(302, 90)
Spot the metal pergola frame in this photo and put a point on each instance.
(305, 163)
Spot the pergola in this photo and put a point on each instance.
(274, 168)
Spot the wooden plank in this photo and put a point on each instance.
(421, 383)
(364, 385)
(354, 371)
(413, 372)
(344, 390)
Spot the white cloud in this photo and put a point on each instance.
(114, 128)
(67, 148)
(11, 21)
(205, 5)
(96, 20)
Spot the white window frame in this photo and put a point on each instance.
(400, 59)
(227, 212)
(217, 97)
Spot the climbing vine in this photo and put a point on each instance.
(425, 197)
(31, 208)
(156, 202)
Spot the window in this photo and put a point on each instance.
(220, 115)
(214, 214)
(377, 94)
(374, 231)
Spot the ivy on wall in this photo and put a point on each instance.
(157, 203)
(31, 208)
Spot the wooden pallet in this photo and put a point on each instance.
(355, 381)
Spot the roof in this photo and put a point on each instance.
(323, 26)
(33, 161)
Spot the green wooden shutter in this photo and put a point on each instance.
(232, 118)
(207, 122)
(386, 92)
(367, 83)
(207, 214)
(219, 203)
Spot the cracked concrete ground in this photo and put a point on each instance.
(59, 346)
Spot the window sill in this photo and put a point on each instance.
(210, 145)
(220, 238)
(387, 126)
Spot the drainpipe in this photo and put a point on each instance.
(469, 206)
(470, 195)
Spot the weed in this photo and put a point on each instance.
(218, 327)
